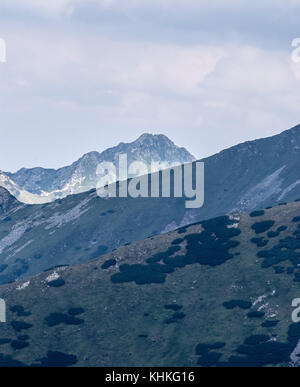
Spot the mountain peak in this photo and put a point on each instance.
(81, 175)
(149, 137)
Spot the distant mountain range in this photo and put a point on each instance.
(80, 227)
(252, 174)
(216, 293)
(39, 185)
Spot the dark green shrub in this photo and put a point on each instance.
(107, 264)
(273, 234)
(176, 316)
(19, 310)
(56, 283)
(263, 226)
(4, 341)
(177, 241)
(278, 269)
(237, 303)
(260, 242)
(159, 256)
(210, 247)
(256, 314)
(174, 307)
(257, 213)
(269, 323)
(8, 361)
(210, 359)
(256, 339)
(19, 344)
(58, 359)
(182, 230)
(3, 267)
(281, 228)
(205, 347)
(290, 270)
(59, 318)
(37, 256)
(140, 274)
(18, 326)
(76, 311)
(23, 337)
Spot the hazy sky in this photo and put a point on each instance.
(84, 75)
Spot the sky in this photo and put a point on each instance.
(84, 75)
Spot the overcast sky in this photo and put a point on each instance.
(84, 75)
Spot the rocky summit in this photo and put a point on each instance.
(39, 185)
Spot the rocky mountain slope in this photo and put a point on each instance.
(216, 293)
(255, 174)
(75, 229)
(7, 202)
(39, 185)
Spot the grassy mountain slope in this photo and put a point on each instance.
(77, 229)
(81, 176)
(213, 293)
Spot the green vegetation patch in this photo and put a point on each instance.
(4, 341)
(19, 310)
(58, 359)
(256, 314)
(260, 242)
(56, 283)
(19, 344)
(176, 317)
(210, 247)
(260, 227)
(60, 318)
(257, 213)
(269, 323)
(107, 264)
(18, 326)
(237, 303)
(76, 311)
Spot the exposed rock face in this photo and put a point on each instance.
(7, 201)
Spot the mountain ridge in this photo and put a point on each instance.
(169, 300)
(77, 228)
(80, 176)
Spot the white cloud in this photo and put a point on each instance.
(53, 7)
(91, 86)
